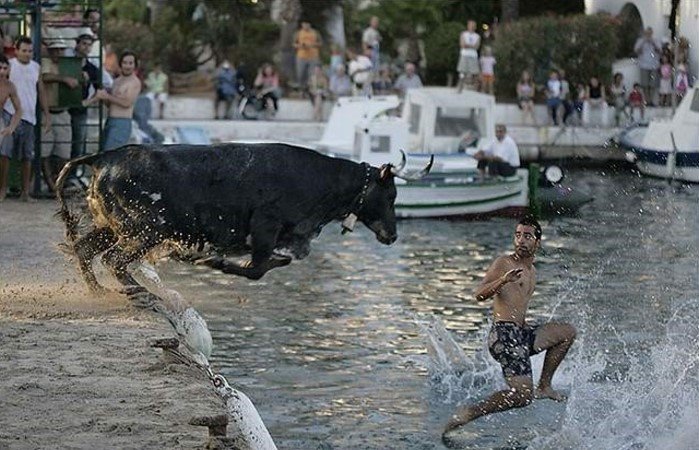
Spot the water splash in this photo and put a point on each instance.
(641, 397)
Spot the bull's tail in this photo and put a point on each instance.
(70, 220)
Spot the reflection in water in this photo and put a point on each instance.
(353, 346)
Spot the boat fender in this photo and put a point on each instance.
(552, 175)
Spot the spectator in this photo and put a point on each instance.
(267, 85)
(157, 84)
(579, 103)
(117, 129)
(318, 89)
(501, 158)
(553, 95)
(681, 82)
(371, 41)
(565, 97)
(91, 81)
(25, 75)
(7, 44)
(407, 80)
(468, 57)
(360, 73)
(525, 96)
(7, 91)
(637, 101)
(340, 83)
(336, 58)
(648, 50)
(383, 84)
(596, 102)
(665, 89)
(618, 94)
(487, 70)
(307, 43)
(226, 89)
(56, 146)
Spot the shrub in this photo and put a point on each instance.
(442, 50)
(581, 45)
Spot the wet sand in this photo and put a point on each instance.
(76, 371)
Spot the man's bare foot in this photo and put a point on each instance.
(548, 392)
(24, 197)
(461, 417)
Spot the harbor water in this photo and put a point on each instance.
(367, 346)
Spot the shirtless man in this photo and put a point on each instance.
(10, 124)
(511, 280)
(117, 130)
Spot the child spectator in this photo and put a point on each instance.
(553, 95)
(681, 81)
(637, 100)
(318, 89)
(383, 84)
(267, 85)
(618, 93)
(157, 84)
(665, 89)
(596, 102)
(579, 103)
(340, 83)
(525, 96)
(487, 70)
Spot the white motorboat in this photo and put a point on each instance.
(667, 148)
(434, 121)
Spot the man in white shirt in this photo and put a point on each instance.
(408, 80)
(25, 75)
(359, 70)
(501, 157)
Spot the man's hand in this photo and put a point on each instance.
(6, 131)
(512, 275)
(71, 82)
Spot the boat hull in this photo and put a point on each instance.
(661, 163)
(447, 197)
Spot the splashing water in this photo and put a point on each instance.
(643, 397)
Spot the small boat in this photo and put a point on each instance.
(437, 121)
(667, 148)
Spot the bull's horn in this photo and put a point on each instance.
(417, 175)
(396, 170)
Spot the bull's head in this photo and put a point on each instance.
(378, 209)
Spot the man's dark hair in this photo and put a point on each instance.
(530, 221)
(4, 60)
(128, 53)
(87, 13)
(23, 40)
(85, 37)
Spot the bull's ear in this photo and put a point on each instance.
(386, 172)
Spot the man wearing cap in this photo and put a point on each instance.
(91, 79)
(56, 145)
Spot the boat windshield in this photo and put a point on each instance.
(457, 122)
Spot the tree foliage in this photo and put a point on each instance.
(581, 45)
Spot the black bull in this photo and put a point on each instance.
(268, 200)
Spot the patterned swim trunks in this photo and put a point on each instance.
(511, 346)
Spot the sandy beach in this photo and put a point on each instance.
(76, 371)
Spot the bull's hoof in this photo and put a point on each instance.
(132, 289)
(143, 300)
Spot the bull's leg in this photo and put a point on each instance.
(86, 248)
(264, 239)
(117, 261)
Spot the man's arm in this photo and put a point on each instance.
(495, 279)
(126, 100)
(43, 101)
(56, 78)
(17, 116)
